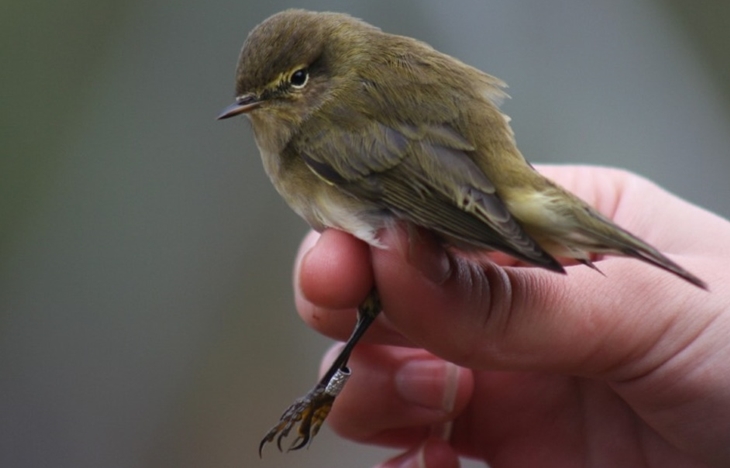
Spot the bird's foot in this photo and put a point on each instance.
(308, 412)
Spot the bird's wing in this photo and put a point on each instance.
(422, 174)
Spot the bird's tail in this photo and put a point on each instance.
(612, 239)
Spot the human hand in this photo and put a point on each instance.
(630, 369)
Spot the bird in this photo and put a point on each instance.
(359, 130)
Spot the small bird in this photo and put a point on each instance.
(359, 129)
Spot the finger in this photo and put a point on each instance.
(338, 272)
(332, 276)
(398, 396)
(433, 453)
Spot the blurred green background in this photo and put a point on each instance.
(146, 315)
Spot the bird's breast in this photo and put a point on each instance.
(322, 204)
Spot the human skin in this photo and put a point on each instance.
(522, 367)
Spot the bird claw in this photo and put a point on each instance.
(309, 412)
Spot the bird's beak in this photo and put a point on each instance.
(244, 104)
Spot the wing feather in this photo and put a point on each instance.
(431, 185)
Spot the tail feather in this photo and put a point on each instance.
(620, 241)
(590, 264)
(654, 257)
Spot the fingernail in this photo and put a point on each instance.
(428, 383)
(416, 460)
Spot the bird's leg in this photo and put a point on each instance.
(310, 411)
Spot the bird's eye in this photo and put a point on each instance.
(299, 78)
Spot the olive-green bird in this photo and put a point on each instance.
(359, 129)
